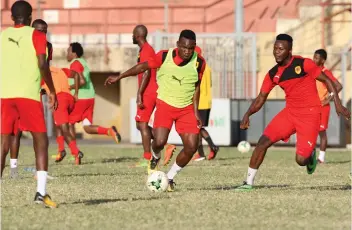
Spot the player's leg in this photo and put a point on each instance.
(190, 142)
(5, 147)
(324, 122)
(61, 117)
(200, 155)
(163, 120)
(147, 136)
(205, 115)
(186, 127)
(142, 119)
(34, 122)
(83, 111)
(60, 140)
(274, 132)
(307, 127)
(9, 122)
(14, 151)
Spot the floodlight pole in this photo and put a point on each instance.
(166, 16)
(238, 78)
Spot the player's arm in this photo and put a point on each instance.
(195, 100)
(258, 103)
(76, 85)
(152, 63)
(142, 87)
(340, 109)
(314, 71)
(39, 43)
(336, 83)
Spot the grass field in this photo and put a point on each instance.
(108, 192)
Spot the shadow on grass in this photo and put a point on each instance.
(111, 160)
(280, 186)
(99, 174)
(338, 162)
(105, 201)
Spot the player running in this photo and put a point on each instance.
(179, 76)
(23, 62)
(84, 106)
(204, 113)
(297, 76)
(146, 95)
(41, 26)
(319, 58)
(66, 104)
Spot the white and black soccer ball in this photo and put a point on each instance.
(157, 182)
(244, 147)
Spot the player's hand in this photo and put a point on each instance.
(342, 110)
(111, 79)
(140, 102)
(75, 97)
(245, 122)
(326, 101)
(199, 121)
(53, 101)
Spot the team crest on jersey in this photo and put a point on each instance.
(298, 69)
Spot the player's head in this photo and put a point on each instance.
(21, 13)
(186, 44)
(320, 57)
(282, 48)
(75, 50)
(40, 25)
(140, 33)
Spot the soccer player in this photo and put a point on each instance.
(23, 63)
(297, 77)
(179, 75)
(66, 104)
(84, 106)
(319, 58)
(41, 26)
(146, 94)
(204, 112)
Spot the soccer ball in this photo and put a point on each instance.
(243, 147)
(157, 182)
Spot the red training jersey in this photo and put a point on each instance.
(156, 61)
(298, 80)
(39, 41)
(146, 52)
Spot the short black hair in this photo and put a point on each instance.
(21, 10)
(285, 37)
(40, 22)
(322, 53)
(189, 34)
(77, 48)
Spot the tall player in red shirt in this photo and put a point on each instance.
(319, 58)
(42, 26)
(146, 95)
(297, 76)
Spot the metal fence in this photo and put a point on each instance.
(232, 58)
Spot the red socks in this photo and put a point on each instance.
(103, 131)
(147, 156)
(61, 143)
(73, 148)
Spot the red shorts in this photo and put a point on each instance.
(22, 113)
(324, 120)
(66, 103)
(143, 115)
(184, 118)
(288, 122)
(83, 109)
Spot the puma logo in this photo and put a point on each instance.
(179, 80)
(16, 42)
